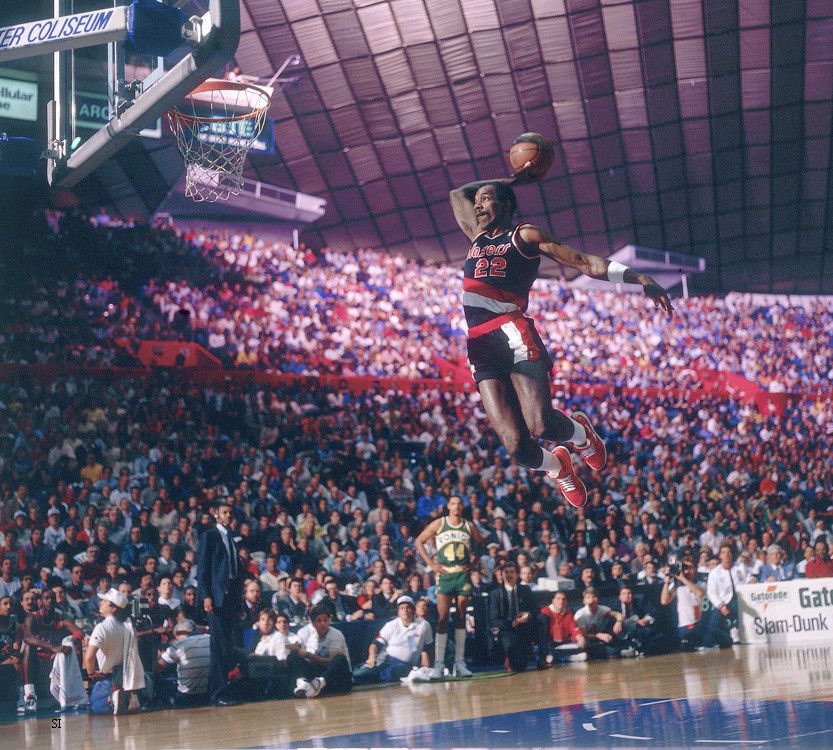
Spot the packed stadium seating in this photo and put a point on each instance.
(75, 442)
(264, 305)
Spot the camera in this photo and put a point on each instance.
(675, 569)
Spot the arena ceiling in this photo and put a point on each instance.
(702, 126)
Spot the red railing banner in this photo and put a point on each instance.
(170, 353)
(458, 372)
(731, 385)
(715, 384)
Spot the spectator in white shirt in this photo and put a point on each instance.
(53, 535)
(401, 645)
(60, 569)
(602, 627)
(104, 656)
(801, 568)
(166, 597)
(721, 625)
(555, 559)
(274, 664)
(276, 639)
(820, 532)
(746, 569)
(8, 586)
(325, 657)
(269, 578)
(711, 537)
(122, 492)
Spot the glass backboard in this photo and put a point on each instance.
(104, 95)
(92, 86)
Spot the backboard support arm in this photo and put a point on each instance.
(212, 38)
(220, 34)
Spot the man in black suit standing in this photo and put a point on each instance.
(513, 618)
(218, 586)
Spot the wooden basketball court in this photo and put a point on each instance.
(745, 696)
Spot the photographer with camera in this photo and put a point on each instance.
(681, 584)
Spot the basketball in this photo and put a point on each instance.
(534, 148)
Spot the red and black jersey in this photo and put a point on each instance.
(49, 628)
(497, 277)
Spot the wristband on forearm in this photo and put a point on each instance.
(616, 272)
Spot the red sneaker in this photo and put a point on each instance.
(567, 480)
(595, 454)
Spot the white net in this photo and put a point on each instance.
(215, 128)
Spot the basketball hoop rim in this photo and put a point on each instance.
(188, 120)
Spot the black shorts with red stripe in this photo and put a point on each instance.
(494, 353)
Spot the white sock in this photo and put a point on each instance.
(579, 434)
(459, 645)
(29, 690)
(439, 649)
(550, 462)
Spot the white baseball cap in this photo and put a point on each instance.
(114, 596)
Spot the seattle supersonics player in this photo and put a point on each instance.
(452, 536)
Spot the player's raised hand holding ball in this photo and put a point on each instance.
(531, 157)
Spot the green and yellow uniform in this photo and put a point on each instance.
(453, 544)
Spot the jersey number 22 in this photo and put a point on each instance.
(490, 267)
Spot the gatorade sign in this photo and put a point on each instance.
(18, 99)
(786, 611)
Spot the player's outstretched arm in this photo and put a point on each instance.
(592, 265)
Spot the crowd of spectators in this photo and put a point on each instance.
(106, 483)
(263, 304)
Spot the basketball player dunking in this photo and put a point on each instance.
(509, 362)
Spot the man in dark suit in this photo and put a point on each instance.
(218, 584)
(619, 578)
(252, 606)
(601, 569)
(639, 624)
(513, 618)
